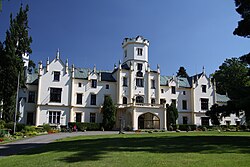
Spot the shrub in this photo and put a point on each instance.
(81, 126)
(187, 127)
(30, 128)
(19, 127)
(46, 127)
(2, 123)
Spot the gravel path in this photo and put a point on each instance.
(20, 146)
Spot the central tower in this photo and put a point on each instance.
(135, 49)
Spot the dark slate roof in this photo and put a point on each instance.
(32, 79)
(221, 98)
(125, 66)
(107, 76)
(164, 80)
(82, 73)
(195, 77)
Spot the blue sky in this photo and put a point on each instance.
(185, 33)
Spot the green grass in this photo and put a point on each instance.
(157, 149)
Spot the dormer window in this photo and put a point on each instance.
(139, 51)
(94, 83)
(173, 89)
(56, 76)
(204, 88)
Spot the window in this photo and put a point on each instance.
(125, 53)
(78, 98)
(204, 104)
(92, 117)
(54, 117)
(78, 117)
(93, 99)
(124, 100)
(162, 101)
(139, 51)
(139, 66)
(94, 83)
(174, 102)
(56, 76)
(139, 82)
(139, 99)
(152, 101)
(79, 84)
(185, 120)
(204, 121)
(204, 88)
(162, 91)
(125, 81)
(152, 84)
(184, 104)
(31, 98)
(173, 89)
(55, 94)
(139, 74)
(184, 92)
(107, 86)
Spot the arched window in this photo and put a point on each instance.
(124, 100)
(139, 99)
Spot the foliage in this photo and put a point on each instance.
(231, 76)
(46, 127)
(215, 114)
(81, 126)
(108, 111)
(243, 8)
(187, 127)
(172, 114)
(182, 72)
(2, 123)
(16, 44)
(10, 125)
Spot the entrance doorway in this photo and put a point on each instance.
(30, 116)
(78, 117)
(148, 121)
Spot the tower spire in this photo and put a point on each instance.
(57, 54)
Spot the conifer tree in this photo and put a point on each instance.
(16, 44)
(182, 72)
(108, 113)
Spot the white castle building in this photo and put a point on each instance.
(59, 94)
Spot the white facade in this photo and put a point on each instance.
(68, 94)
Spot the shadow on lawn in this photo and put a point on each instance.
(94, 149)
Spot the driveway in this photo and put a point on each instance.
(20, 146)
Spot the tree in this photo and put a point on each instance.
(231, 76)
(182, 72)
(172, 114)
(108, 111)
(215, 114)
(243, 8)
(16, 44)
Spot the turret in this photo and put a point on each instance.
(40, 68)
(57, 54)
(66, 66)
(135, 49)
(47, 65)
(73, 71)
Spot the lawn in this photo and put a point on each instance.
(157, 149)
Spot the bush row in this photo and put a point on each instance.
(81, 126)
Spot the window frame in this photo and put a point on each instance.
(54, 117)
(125, 81)
(139, 82)
(56, 76)
(152, 84)
(32, 97)
(204, 88)
(184, 104)
(93, 99)
(204, 104)
(92, 117)
(139, 51)
(79, 98)
(55, 95)
(94, 83)
(173, 89)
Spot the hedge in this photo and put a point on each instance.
(81, 126)
(187, 127)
